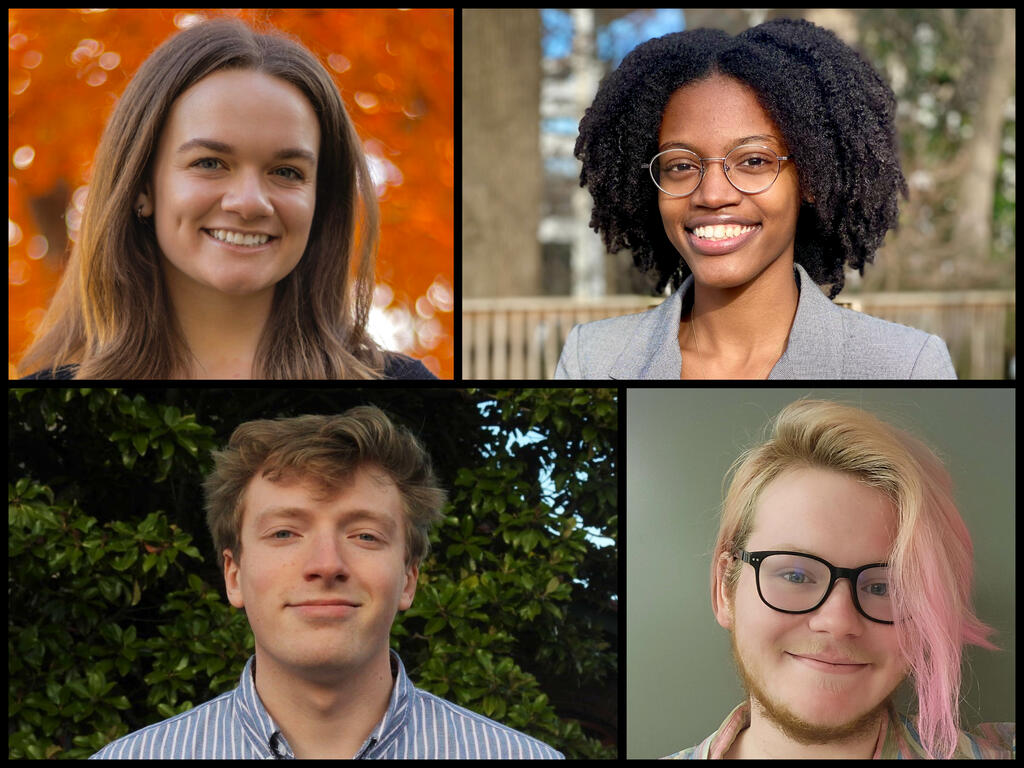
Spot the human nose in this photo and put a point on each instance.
(838, 613)
(715, 190)
(326, 559)
(247, 197)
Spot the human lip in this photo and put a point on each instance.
(714, 221)
(242, 247)
(710, 247)
(325, 609)
(831, 664)
(238, 231)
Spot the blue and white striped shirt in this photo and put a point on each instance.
(417, 724)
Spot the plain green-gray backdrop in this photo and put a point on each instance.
(680, 680)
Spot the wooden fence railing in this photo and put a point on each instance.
(521, 338)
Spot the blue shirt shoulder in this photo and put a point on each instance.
(417, 724)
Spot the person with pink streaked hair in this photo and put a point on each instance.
(842, 568)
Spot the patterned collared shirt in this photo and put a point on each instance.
(417, 724)
(897, 740)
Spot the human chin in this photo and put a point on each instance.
(786, 693)
(235, 279)
(723, 272)
(826, 697)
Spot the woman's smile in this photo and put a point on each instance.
(721, 240)
(250, 243)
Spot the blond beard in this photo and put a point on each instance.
(796, 728)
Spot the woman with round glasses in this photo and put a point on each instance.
(745, 172)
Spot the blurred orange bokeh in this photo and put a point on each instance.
(395, 72)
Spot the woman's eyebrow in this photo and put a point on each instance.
(288, 153)
(734, 143)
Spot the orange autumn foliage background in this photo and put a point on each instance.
(395, 72)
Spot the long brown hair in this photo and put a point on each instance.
(112, 314)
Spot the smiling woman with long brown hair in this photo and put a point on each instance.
(745, 172)
(231, 226)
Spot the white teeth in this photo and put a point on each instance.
(236, 238)
(721, 231)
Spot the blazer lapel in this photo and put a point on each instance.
(653, 350)
(814, 349)
(816, 340)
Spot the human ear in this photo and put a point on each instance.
(231, 582)
(412, 573)
(721, 600)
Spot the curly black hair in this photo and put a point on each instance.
(835, 113)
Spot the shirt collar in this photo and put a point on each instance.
(816, 338)
(722, 739)
(739, 719)
(259, 726)
(397, 715)
(898, 738)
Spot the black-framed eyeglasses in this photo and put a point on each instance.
(750, 168)
(795, 582)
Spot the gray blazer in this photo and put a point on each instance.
(825, 342)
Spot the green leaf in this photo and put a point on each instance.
(436, 624)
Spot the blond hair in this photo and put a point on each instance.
(931, 559)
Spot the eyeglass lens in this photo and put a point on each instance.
(750, 169)
(794, 583)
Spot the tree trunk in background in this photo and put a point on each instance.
(501, 172)
(993, 77)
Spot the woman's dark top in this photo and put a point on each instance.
(396, 366)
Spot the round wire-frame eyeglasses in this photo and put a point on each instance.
(759, 179)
